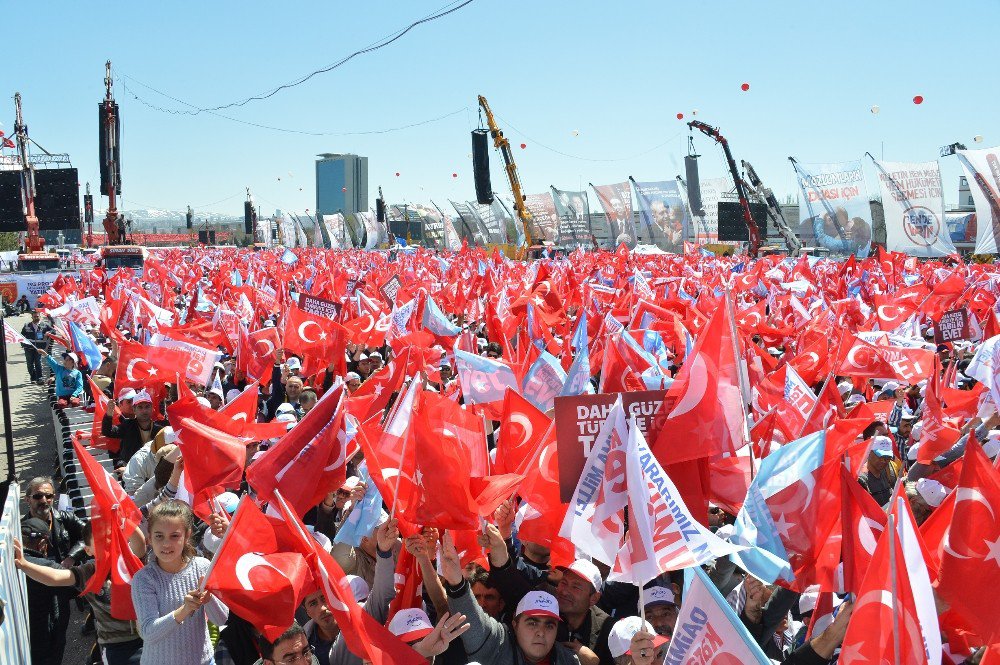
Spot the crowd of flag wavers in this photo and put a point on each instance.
(346, 457)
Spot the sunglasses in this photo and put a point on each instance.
(38, 496)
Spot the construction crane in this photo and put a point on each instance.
(713, 133)
(501, 143)
(34, 258)
(773, 208)
(109, 160)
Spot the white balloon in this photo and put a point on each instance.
(694, 112)
(576, 132)
(875, 109)
(978, 138)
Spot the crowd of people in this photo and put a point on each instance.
(378, 402)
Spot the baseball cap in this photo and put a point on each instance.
(217, 392)
(538, 603)
(362, 357)
(375, 354)
(620, 637)
(294, 363)
(203, 401)
(845, 387)
(931, 491)
(286, 417)
(350, 483)
(269, 323)
(33, 528)
(284, 407)
(142, 396)
(882, 446)
(229, 501)
(352, 376)
(890, 386)
(587, 571)
(855, 399)
(992, 445)
(658, 595)
(126, 394)
(73, 356)
(359, 587)
(232, 394)
(411, 624)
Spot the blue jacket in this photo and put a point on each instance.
(69, 383)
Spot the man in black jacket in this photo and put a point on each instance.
(64, 529)
(35, 331)
(48, 607)
(135, 433)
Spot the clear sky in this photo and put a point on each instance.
(615, 72)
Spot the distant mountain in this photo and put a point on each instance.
(151, 215)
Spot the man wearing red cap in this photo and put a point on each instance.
(135, 433)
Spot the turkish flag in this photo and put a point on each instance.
(708, 407)
(863, 522)
(939, 433)
(316, 336)
(112, 514)
(890, 312)
(408, 582)
(100, 408)
(257, 573)
(544, 513)
(523, 428)
(310, 461)
(813, 361)
(366, 638)
(374, 394)
(213, 460)
(256, 354)
(238, 418)
(859, 359)
(139, 365)
(970, 562)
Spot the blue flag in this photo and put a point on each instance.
(85, 346)
(767, 559)
(437, 322)
(543, 381)
(365, 516)
(578, 378)
(289, 258)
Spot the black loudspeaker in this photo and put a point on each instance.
(211, 237)
(248, 217)
(189, 217)
(481, 166)
(380, 211)
(203, 237)
(693, 185)
(732, 227)
(110, 148)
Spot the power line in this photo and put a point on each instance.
(382, 43)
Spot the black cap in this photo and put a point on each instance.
(34, 528)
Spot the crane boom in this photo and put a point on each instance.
(713, 133)
(501, 143)
(773, 208)
(34, 242)
(110, 168)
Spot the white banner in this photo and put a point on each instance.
(982, 167)
(337, 231)
(15, 645)
(834, 212)
(914, 208)
(14, 286)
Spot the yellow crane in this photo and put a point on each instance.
(501, 143)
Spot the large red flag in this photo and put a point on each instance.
(140, 365)
(863, 522)
(257, 573)
(707, 419)
(970, 562)
(366, 638)
(213, 461)
(95, 439)
(374, 394)
(522, 431)
(859, 359)
(309, 461)
(316, 336)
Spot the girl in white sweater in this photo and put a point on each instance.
(170, 609)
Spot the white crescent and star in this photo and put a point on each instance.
(131, 366)
(269, 346)
(305, 326)
(248, 562)
(697, 385)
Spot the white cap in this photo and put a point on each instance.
(359, 587)
(320, 538)
(350, 483)
(931, 491)
(72, 355)
(911, 452)
(286, 417)
(891, 386)
(845, 387)
(855, 399)
(410, 625)
(294, 363)
(351, 376)
(203, 401)
(217, 392)
(126, 393)
(169, 435)
(228, 501)
(620, 637)
(269, 323)
(375, 354)
(917, 431)
(992, 445)
(142, 396)
(586, 570)
(284, 407)
(807, 601)
(232, 394)
(658, 595)
(538, 603)
(882, 446)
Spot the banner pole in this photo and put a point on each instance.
(894, 590)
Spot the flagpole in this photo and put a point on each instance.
(8, 430)
(738, 360)
(892, 577)
(225, 537)
(815, 405)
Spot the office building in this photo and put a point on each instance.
(341, 184)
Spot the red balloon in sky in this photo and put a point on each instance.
(454, 175)
(745, 87)
(523, 146)
(680, 116)
(919, 99)
(397, 174)
(343, 189)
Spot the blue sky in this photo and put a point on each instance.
(617, 73)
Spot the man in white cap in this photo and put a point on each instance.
(133, 434)
(661, 609)
(584, 627)
(634, 642)
(531, 637)
(881, 472)
(924, 495)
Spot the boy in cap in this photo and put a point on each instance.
(69, 380)
(634, 642)
(881, 472)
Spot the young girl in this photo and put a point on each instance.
(170, 609)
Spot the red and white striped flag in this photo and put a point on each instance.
(11, 336)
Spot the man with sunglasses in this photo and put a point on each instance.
(65, 528)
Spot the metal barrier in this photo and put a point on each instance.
(15, 644)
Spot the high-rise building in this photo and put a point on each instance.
(341, 184)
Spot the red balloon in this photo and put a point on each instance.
(397, 174)
(745, 87)
(454, 175)
(343, 189)
(919, 99)
(680, 116)
(523, 146)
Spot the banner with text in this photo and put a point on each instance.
(544, 220)
(982, 168)
(834, 212)
(914, 208)
(713, 190)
